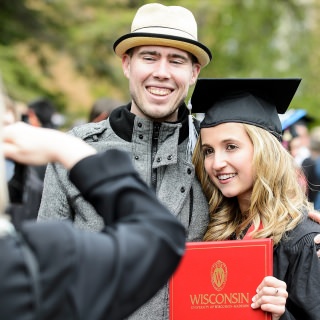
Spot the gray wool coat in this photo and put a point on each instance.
(161, 161)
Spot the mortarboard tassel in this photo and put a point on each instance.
(193, 134)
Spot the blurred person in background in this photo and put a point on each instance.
(41, 113)
(311, 168)
(25, 188)
(25, 182)
(296, 137)
(299, 153)
(296, 140)
(102, 108)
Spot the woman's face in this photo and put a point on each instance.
(228, 153)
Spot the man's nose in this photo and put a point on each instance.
(162, 70)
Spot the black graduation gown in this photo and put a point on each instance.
(296, 263)
(88, 275)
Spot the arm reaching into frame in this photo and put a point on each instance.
(134, 255)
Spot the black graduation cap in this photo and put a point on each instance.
(256, 101)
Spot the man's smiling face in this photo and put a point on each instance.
(159, 80)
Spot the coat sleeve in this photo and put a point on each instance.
(57, 201)
(141, 244)
(62, 200)
(297, 263)
(54, 202)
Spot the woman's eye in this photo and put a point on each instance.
(231, 147)
(207, 151)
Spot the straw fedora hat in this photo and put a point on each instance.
(171, 26)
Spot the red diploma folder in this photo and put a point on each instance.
(217, 280)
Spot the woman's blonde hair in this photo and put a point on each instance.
(277, 199)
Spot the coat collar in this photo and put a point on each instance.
(122, 122)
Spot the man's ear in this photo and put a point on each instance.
(126, 65)
(196, 67)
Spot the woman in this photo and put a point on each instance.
(50, 270)
(251, 184)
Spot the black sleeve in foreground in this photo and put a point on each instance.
(147, 240)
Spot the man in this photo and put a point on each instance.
(26, 186)
(162, 58)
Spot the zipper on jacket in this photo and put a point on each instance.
(191, 206)
(154, 149)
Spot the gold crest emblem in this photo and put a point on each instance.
(219, 274)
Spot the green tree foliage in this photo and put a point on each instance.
(63, 49)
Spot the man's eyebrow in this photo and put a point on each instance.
(156, 53)
(151, 52)
(179, 56)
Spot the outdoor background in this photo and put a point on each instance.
(62, 49)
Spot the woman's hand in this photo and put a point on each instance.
(271, 297)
